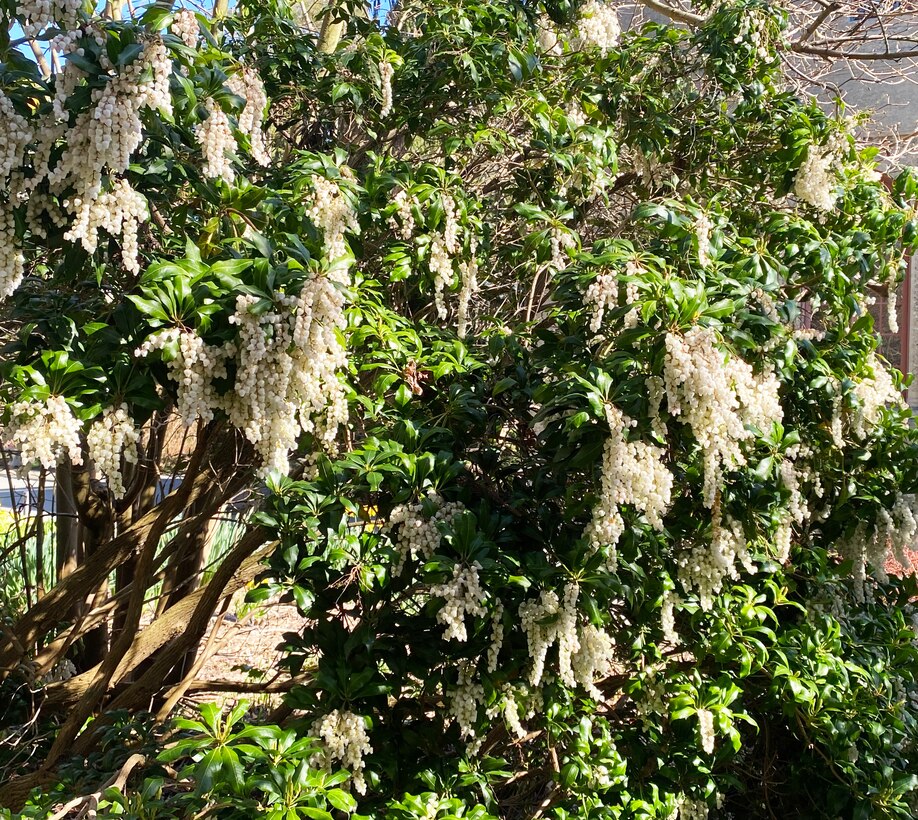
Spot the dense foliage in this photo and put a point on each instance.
(552, 345)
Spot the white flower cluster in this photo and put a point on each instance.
(753, 29)
(462, 596)
(497, 636)
(404, 224)
(248, 85)
(583, 653)
(900, 527)
(344, 738)
(598, 26)
(790, 478)
(547, 36)
(703, 228)
(287, 361)
(333, 214)
(653, 699)
(689, 809)
(633, 473)
(854, 548)
(100, 144)
(511, 712)
(668, 616)
(468, 281)
(118, 211)
(12, 262)
(417, 534)
(575, 114)
(193, 369)
(15, 135)
(784, 536)
(601, 294)
(632, 294)
(719, 397)
(215, 136)
(895, 533)
(560, 241)
(112, 435)
(704, 567)
(542, 621)
(593, 659)
(37, 15)
(386, 72)
(442, 250)
(185, 27)
(874, 394)
(706, 730)
(655, 391)
(815, 182)
(45, 431)
(465, 698)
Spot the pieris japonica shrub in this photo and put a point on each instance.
(551, 341)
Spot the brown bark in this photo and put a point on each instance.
(176, 621)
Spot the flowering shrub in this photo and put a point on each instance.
(506, 305)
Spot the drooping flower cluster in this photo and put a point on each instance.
(705, 566)
(37, 15)
(45, 431)
(386, 72)
(497, 636)
(110, 437)
(548, 39)
(100, 144)
(668, 617)
(719, 398)
(598, 26)
(593, 658)
(462, 596)
(15, 135)
(511, 712)
(703, 228)
(584, 653)
(185, 27)
(706, 730)
(560, 240)
(215, 136)
(815, 182)
(465, 698)
(468, 280)
(753, 30)
(601, 294)
(688, 808)
(344, 739)
(12, 261)
(874, 394)
(894, 534)
(333, 214)
(402, 221)
(633, 473)
(443, 247)
(118, 211)
(248, 85)
(541, 635)
(194, 369)
(286, 378)
(418, 534)
(287, 363)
